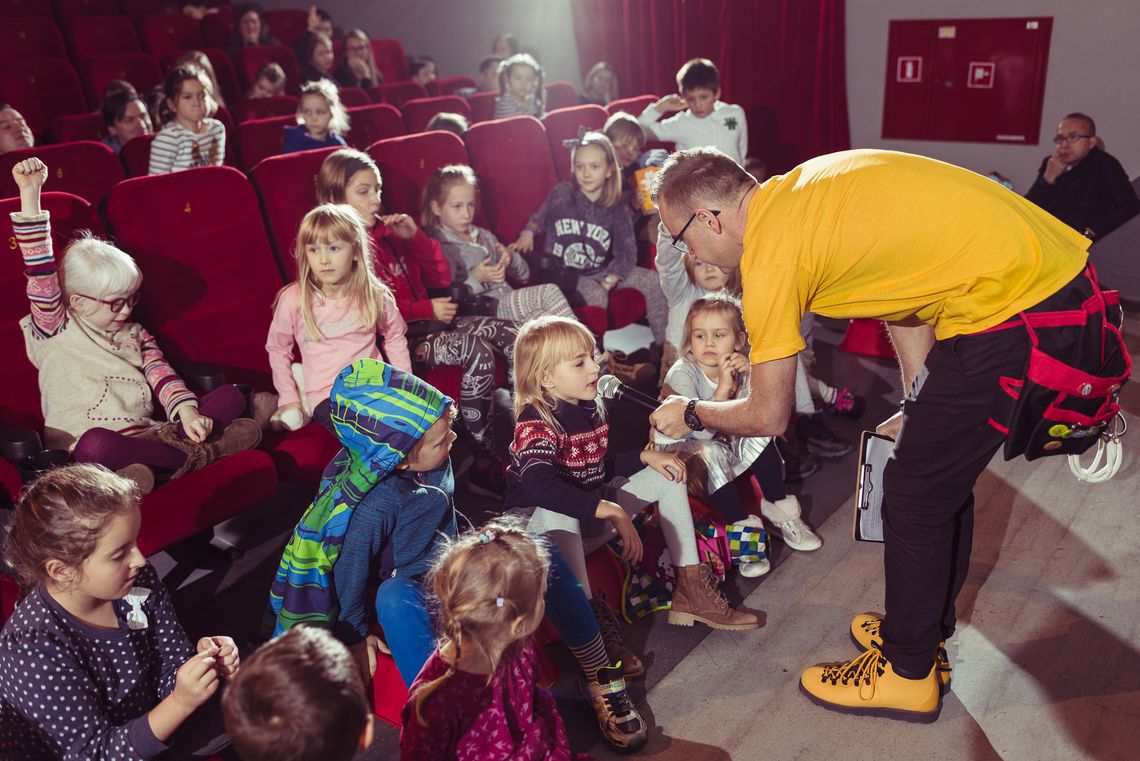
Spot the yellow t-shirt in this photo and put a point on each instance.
(888, 235)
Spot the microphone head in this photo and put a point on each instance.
(608, 386)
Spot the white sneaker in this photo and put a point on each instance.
(798, 535)
(753, 570)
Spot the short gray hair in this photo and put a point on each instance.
(700, 176)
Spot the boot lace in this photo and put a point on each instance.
(871, 626)
(864, 671)
(790, 530)
(711, 590)
(607, 621)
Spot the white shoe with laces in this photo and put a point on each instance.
(784, 515)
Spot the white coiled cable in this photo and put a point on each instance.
(1109, 449)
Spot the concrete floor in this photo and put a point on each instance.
(1046, 662)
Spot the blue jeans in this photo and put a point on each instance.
(401, 609)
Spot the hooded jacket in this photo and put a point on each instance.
(379, 413)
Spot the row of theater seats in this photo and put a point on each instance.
(517, 164)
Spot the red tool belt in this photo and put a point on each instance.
(1070, 391)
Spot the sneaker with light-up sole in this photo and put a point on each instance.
(868, 685)
(865, 632)
(619, 722)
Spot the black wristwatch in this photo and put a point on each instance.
(691, 418)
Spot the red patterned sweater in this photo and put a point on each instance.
(564, 470)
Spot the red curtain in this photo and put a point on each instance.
(781, 60)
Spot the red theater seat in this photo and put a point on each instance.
(561, 95)
(563, 124)
(164, 34)
(351, 97)
(512, 160)
(482, 106)
(67, 10)
(210, 281)
(217, 27)
(136, 9)
(101, 35)
(262, 138)
(140, 69)
(419, 111)
(266, 108)
(136, 156)
(10, 9)
(41, 89)
(35, 37)
(372, 123)
(288, 25)
(633, 105)
(287, 188)
(448, 85)
(86, 169)
(407, 163)
(225, 72)
(248, 61)
(390, 59)
(397, 93)
(68, 129)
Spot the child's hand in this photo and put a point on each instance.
(730, 365)
(666, 463)
(29, 174)
(224, 651)
(444, 309)
(195, 425)
(525, 242)
(196, 681)
(670, 104)
(314, 20)
(289, 417)
(402, 225)
(487, 272)
(364, 653)
(630, 539)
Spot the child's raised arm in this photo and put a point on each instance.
(30, 176)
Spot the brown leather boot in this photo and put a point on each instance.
(631, 665)
(696, 598)
(142, 475)
(240, 435)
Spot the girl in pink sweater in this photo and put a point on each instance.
(332, 314)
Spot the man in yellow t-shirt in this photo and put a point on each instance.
(939, 253)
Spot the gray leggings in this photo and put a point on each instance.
(644, 281)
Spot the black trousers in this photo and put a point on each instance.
(928, 503)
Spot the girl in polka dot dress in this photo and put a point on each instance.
(93, 662)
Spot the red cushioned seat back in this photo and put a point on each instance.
(563, 124)
(226, 118)
(136, 9)
(217, 27)
(20, 401)
(35, 37)
(512, 160)
(266, 108)
(287, 25)
(371, 123)
(262, 138)
(397, 93)
(634, 105)
(41, 89)
(136, 156)
(407, 163)
(248, 61)
(101, 35)
(25, 9)
(140, 69)
(419, 111)
(390, 59)
(448, 85)
(482, 106)
(351, 97)
(86, 168)
(165, 34)
(209, 274)
(9, 592)
(287, 186)
(225, 72)
(68, 129)
(67, 10)
(560, 95)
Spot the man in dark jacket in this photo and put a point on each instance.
(1081, 184)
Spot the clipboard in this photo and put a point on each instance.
(867, 522)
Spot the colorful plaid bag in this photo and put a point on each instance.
(724, 545)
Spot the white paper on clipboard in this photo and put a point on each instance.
(874, 451)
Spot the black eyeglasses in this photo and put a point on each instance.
(1062, 139)
(116, 304)
(680, 244)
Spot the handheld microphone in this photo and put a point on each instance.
(611, 388)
